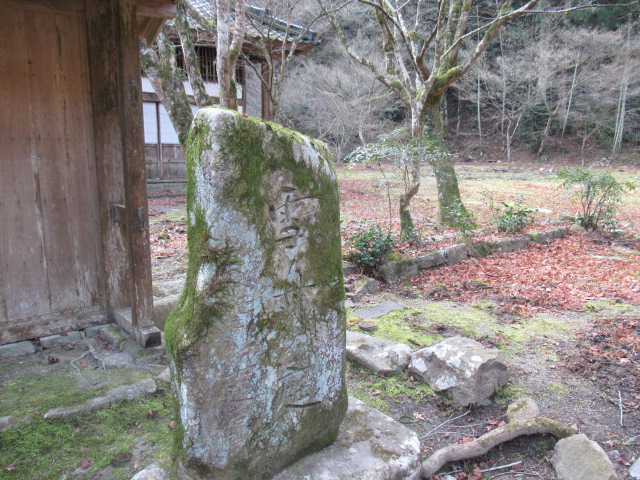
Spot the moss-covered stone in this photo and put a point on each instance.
(256, 342)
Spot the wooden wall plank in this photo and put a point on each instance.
(53, 162)
(21, 245)
(81, 192)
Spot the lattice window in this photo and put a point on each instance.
(207, 59)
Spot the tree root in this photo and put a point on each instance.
(481, 445)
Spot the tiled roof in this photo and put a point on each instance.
(259, 22)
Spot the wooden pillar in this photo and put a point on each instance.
(114, 65)
(267, 108)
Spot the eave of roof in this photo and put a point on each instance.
(151, 16)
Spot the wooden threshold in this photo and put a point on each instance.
(51, 324)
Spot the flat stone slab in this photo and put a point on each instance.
(578, 458)
(379, 310)
(370, 446)
(377, 354)
(55, 341)
(16, 349)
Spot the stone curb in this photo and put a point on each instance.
(392, 272)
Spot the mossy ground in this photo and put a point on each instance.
(110, 440)
(116, 441)
(423, 324)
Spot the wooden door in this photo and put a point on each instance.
(51, 267)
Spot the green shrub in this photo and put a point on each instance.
(596, 194)
(514, 218)
(370, 246)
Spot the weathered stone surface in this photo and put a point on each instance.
(462, 367)
(367, 326)
(578, 458)
(365, 286)
(5, 423)
(377, 354)
(559, 232)
(548, 236)
(506, 245)
(392, 272)
(481, 249)
(118, 338)
(162, 308)
(152, 472)
(93, 331)
(165, 375)
(522, 409)
(16, 349)
(455, 254)
(124, 392)
(257, 340)
(55, 341)
(430, 260)
(114, 335)
(379, 310)
(634, 469)
(349, 267)
(370, 446)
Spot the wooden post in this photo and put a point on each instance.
(135, 180)
(114, 61)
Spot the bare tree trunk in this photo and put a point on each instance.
(573, 86)
(161, 70)
(478, 111)
(504, 86)
(413, 179)
(228, 49)
(451, 210)
(622, 102)
(191, 62)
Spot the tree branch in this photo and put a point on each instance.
(481, 445)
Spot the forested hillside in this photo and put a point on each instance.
(550, 86)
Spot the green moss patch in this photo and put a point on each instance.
(382, 393)
(21, 397)
(108, 442)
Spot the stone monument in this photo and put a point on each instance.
(257, 340)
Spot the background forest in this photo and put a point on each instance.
(548, 85)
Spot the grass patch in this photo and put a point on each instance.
(106, 438)
(382, 393)
(509, 393)
(20, 397)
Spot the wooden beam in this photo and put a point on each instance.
(157, 8)
(50, 325)
(48, 6)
